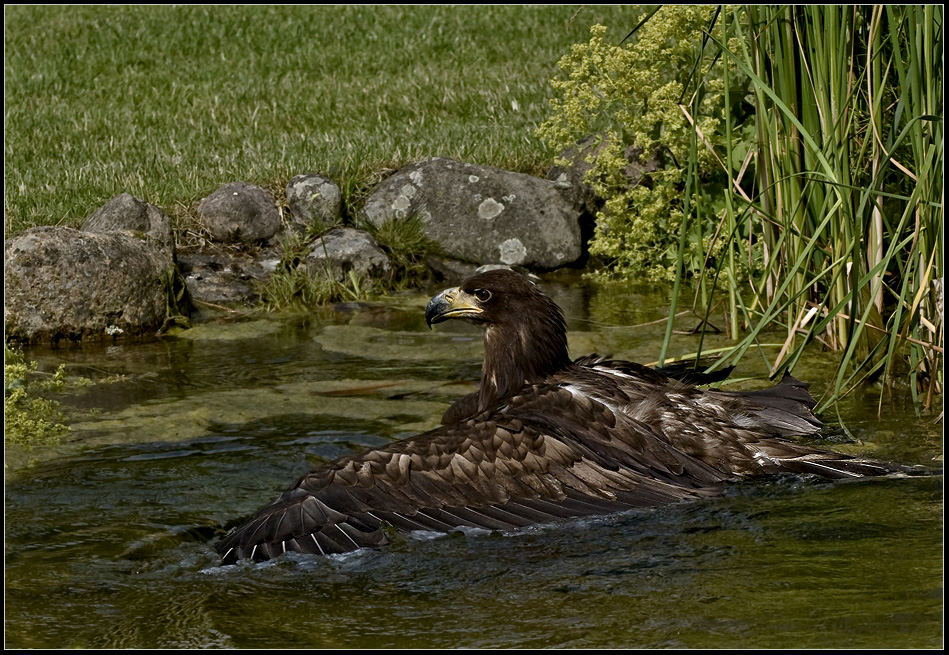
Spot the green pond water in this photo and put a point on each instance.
(109, 535)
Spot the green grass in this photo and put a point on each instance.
(170, 102)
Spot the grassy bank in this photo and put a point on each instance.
(168, 103)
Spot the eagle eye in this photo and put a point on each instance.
(483, 295)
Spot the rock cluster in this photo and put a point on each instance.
(121, 274)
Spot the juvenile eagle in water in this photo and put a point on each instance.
(545, 438)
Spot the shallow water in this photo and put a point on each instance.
(109, 536)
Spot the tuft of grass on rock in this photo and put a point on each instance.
(405, 242)
(295, 287)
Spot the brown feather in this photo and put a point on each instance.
(544, 439)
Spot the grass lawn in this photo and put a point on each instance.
(169, 102)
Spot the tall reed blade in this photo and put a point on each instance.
(849, 164)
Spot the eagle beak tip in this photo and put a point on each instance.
(437, 306)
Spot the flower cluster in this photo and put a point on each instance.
(638, 98)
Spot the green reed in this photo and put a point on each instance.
(846, 196)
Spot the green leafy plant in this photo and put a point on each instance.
(803, 183)
(633, 100)
(30, 419)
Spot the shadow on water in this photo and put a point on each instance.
(109, 536)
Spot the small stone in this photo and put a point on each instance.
(239, 213)
(314, 200)
(126, 213)
(345, 249)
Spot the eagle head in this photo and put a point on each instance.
(525, 333)
(491, 298)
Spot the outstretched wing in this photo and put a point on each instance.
(739, 433)
(545, 455)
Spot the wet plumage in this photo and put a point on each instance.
(545, 438)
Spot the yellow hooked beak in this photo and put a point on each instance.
(452, 303)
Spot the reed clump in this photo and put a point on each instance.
(806, 155)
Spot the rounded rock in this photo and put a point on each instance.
(314, 200)
(239, 213)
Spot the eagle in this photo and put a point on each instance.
(544, 439)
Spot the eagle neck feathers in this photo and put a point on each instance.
(526, 349)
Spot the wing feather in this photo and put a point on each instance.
(590, 443)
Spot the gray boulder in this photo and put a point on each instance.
(126, 213)
(483, 214)
(230, 279)
(65, 283)
(239, 213)
(313, 200)
(344, 249)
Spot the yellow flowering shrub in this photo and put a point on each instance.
(634, 94)
(29, 418)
